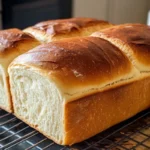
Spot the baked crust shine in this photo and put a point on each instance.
(53, 30)
(66, 25)
(132, 39)
(9, 37)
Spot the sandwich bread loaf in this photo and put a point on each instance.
(13, 42)
(72, 89)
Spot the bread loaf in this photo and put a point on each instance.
(13, 42)
(72, 89)
(53, 30)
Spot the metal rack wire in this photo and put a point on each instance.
(131, 134)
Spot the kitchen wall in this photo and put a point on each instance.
(115, 11)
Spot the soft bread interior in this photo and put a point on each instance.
(37, 101)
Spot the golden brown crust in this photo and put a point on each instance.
(85, 55)
(130, 33)
(80, 63)
(9, 37)
(66, 25)
(136, 36)
(54, 30)
(90, 115)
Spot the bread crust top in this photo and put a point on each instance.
(10, 37)
(54, 30)
(136, 37)
(66, 25)
(129, 33)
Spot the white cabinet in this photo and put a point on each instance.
(90, 8)
(124, 11)
(115, 11)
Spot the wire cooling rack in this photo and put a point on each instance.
(133, 134)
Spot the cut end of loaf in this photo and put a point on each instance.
(5, 100)
(37, 102)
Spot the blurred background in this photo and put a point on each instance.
(23, 13)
